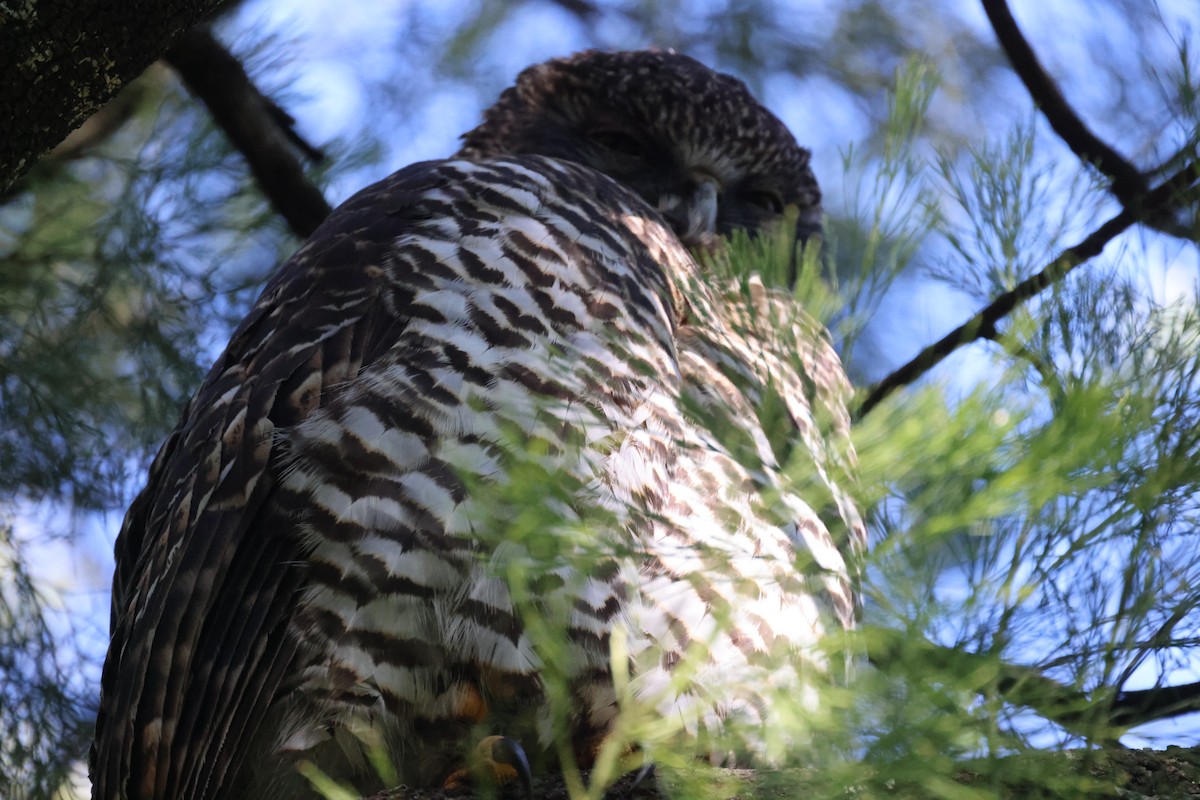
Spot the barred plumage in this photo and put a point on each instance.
(320, 550)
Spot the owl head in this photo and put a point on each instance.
(692, 142)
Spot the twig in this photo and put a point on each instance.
(580, 8)
(983, 324)
(1128, 183)
(1140, 205)
(287, 124)
(256, 127)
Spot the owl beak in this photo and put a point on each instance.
(694, 218)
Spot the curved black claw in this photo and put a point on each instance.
(501, 750)
(647, 771)
(498, 760)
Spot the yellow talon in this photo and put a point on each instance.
(501, 760)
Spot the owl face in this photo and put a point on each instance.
(694, 143)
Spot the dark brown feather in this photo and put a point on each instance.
(207, 566)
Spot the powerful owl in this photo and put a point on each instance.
(493, 454)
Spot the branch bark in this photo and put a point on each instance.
(583, 9)
(1140, 706)
(63, 59)
(1111, 772)
(983, 324)
(1103, 715)
(1128, 183)
(256, 126)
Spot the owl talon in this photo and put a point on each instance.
(646, 771)
(502, 760)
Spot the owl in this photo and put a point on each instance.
(491, 455)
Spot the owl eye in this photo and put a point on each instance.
(767, 200)
(618, 142)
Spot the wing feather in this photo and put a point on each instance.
(207, 565)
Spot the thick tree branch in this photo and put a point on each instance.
(1110, 772)
(1128, 183)
(1103, 715)
(63, 59)
(258, 128)
(1145, 705)
(1017, 684)
(97, 128)
(983, 324)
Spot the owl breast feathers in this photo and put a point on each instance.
(492, 429)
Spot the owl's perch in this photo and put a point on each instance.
(1115, 772)
(1141, 205)
(63, 60)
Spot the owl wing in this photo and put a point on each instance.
(206, 560)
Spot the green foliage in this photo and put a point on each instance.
(1040, 520)
(888, 208)
(39, 712)
(1032, 506)
(1004, 212)
(100, 342)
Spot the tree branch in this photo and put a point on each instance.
(1097, 715)
(983, 324)
(1128, 183)
(259, 129)
(1109, 772)
(581, 8)
(97, 128)
(1145, 705)
(1017, 684)
(1140, 205)
(63, 59)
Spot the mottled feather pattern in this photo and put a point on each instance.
(684, 113)
(767, 344)
(389, 516)
(293, 339)
(505, 337)
(320, 557)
